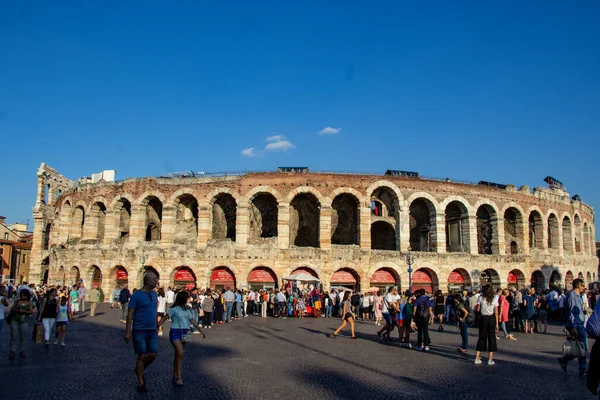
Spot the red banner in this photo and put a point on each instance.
(305, 270)
(184, 275)
(456, 278)
(512, 278)
(221, 275)
(343, 277)
(421, 277)
(261, 275)
(122, 274)
(382, 276)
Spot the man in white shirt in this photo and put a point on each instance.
(281, 304)
(82, 296)
(170, 298)
(250, 300)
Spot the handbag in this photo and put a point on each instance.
(186, 338)
(573, 348)
(38, 333)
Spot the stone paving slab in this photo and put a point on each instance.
(259, 358)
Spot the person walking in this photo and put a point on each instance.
(542, 307)
(74, 295)
(124, 297)
(388, 309)
(439, 310)
(575, 325)
(20, 311)
(62, 320)
(355, 300)
(115, 298)
(181, 319)
(208, 306)
(529, 304)
(503, 314)
(347, 317)
(141, 327)
(82, 293)
(463, 316)
(488, 324)
(264, 304)
(423, 317)
(47, 314)
(3, 304)
(219, 308)
(377, 306)
(281, 304)
(94, 300)
(407, 311)
(327, 302)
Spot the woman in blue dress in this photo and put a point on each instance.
(529, 304)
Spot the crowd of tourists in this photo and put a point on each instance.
(506, 312)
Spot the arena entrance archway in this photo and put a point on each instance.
(569, 278)
(555, 280)
(262, 278)
(95, 277)
(490, 277)
(383, 278)
(346, 277)
(74, 276)
(148, 268)
(222, 278)
(538, 281)
(121, 277)
(183, 278)
(459, 279)
(516, 279)
(424, 278)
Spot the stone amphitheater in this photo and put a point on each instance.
(350, 230)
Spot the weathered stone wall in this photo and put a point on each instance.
(205, 223)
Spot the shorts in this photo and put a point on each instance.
(160, 314)
(145, 342)
(388, 318)
(175, 334)
(62, 323)
(75, 307)
(347, 316)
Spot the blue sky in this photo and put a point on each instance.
(508, 93)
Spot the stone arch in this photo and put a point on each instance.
(490, 276)
(422, 212)
(569, 280)
(260, 190)
(66, 213)
(120, 276)
(553, 231)
(487, 228)
(385, 277)
(346, 277)
(425, 278)
(382, 183)
(305, 220)
(567, 229)
(580, 275)
(222, 277)
(513, 230)
(588, 277)
(77, 222)
(306, 189)
(457, 225)
(578, 233)
(389, 199)
(224, 216)
(182, 277)
(264, 216)
(307, 267)
(538, 281)
(116, 202)
(459, 278)
(261, 277)
(94, 273)
(383, 236)
(516, 278)
(122, 207)
(536, 228)
(153, 208)
(555, 279)
(345, 219)
(186, 217)
(74, 275)
(97, 219)
(145, 198)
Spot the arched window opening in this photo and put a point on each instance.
(422, 225)
(264, 214)
(224, 216)
(304, 220)
(345, 217)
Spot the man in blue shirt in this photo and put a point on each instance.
(575, 324)
(141, 326)
(229, 298)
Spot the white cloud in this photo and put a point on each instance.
(280, 145)
(330, 131)
(249, 152)
(276, 138)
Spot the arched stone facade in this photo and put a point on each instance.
(386, 217)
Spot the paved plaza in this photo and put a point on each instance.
(271, 359)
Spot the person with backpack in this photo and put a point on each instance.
(464, 317)
(388, 309)
(423, 317)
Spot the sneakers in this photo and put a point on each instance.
(563, 364)
(491, 362)
(160, 333)
(426, 348)
(55, 341)
(22, 354)
(63, 344)
(477, 361)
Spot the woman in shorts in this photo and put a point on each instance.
(347, 316)
(181, 318)
(438, 310)
(62, 321)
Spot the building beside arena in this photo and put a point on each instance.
(350, 230)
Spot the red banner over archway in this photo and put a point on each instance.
(122, 274)
(421, 276)
(343, 277)
(184, 275)
(383, 276)
(305, 270)
(512, 278)
(262, 274)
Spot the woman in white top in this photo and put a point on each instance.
(161, 309)
(488, 324)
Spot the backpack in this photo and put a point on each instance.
(422, 310)
(409, 311)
